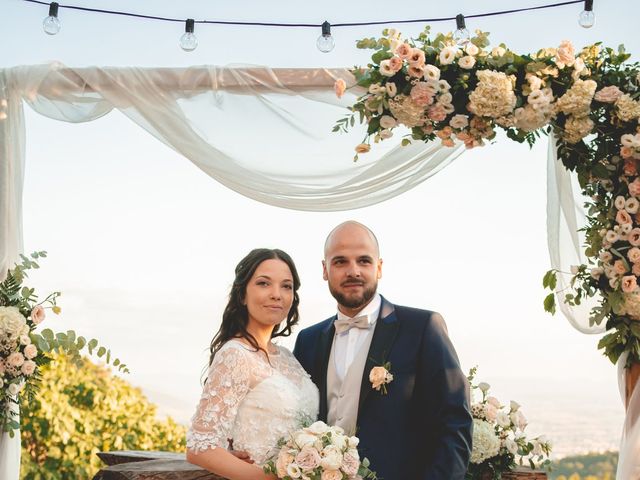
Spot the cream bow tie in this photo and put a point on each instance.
(344, 324)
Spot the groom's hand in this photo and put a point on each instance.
(242, 455)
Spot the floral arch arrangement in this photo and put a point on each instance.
(587, 100)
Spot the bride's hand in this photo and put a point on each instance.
(242, 455)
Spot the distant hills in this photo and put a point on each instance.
(591, 466)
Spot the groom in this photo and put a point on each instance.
(415, 426)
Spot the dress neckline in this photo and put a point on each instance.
(252, 350)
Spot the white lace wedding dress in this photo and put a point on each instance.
(251, 400)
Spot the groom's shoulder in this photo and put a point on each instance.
(316, 328)
(420, 318)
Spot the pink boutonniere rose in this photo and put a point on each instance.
(380, 377)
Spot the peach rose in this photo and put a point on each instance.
(30, 351)
(379, 376)
(363, 148)
(417, 57)
(626, 152)
(331, 475)
(622, 217)
(635, 269)
(415, 71)
(634, 254)
(404, 51)
(634, 188)
(629, 283)
(284, 460)
(385, 68)
(28, 367)
(340, 87)
(37, 314)
(619, 267)
(634, 237)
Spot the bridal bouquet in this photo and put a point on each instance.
(22, 350)
(499, 441)
(319, 452)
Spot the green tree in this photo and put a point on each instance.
(80, 411)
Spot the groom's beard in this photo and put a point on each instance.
(354, 301)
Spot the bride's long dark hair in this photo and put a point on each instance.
(236, 317)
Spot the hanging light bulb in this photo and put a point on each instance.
(51, 24)
(461, 35)
(188, 40)
(587, 18)
(325, 41)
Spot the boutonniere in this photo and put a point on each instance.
(380, 377)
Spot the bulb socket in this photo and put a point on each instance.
(588, 5)
(189, 25)
(53, 9)
(326, 29)
(460, 25)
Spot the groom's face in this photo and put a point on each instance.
(352, 267)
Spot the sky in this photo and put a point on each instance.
(143, 244)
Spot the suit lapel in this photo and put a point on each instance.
(322, 362)
(384, 335)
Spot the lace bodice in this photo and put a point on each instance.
(252, 401)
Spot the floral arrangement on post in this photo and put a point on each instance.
(588, 99)
(22, 350)
(499, 441)
(319, 452)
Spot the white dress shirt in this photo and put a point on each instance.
(347, 344)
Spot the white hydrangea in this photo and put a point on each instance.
(13, 325)
(631, 305)
(493, 96)
(486, 443)
(577, 100)
(628, 108)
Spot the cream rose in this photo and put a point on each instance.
(282, 462)
(16, 359)
(28, 367)
(471, 49)
(30, 351)
(331, 475)
(293, 470)
(385, 68)
(379, 376)
(303, 439)
(331, 458)
(619, 202)
(632, 205)
(448, 55)
(467, 62)
(498, 51)
(431, 72)
(13, 389)
(459, 121)
(392, 90)
(565, 54)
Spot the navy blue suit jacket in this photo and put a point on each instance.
(420, 429)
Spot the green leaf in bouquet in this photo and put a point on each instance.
(550, 303)
(93, 343)
(101, 351)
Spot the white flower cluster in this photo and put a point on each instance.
(407, 111)
(539, 110)
(16, 350)
(499, 430)
(628, 108)
(318, 451)
(493, 96)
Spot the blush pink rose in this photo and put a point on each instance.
(363, 148)
(422, 94)
(629, 283)
(634, 237)
(340, 87)
(634, 255)
(350, 464)
(395, 63)
(404, 51)
(437, 112)
(634, 188)
(416, 71)
(16, 359)
(308, 458)
(417, 57)
(623, 218)
(630, 167)
(566, 53)
(37, 314)
(635, 269)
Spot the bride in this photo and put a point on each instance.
(256, 392)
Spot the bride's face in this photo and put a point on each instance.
(269, 293)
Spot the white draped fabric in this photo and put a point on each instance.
(565, 216)
(266, 134)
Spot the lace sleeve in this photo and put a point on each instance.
(228, 382)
